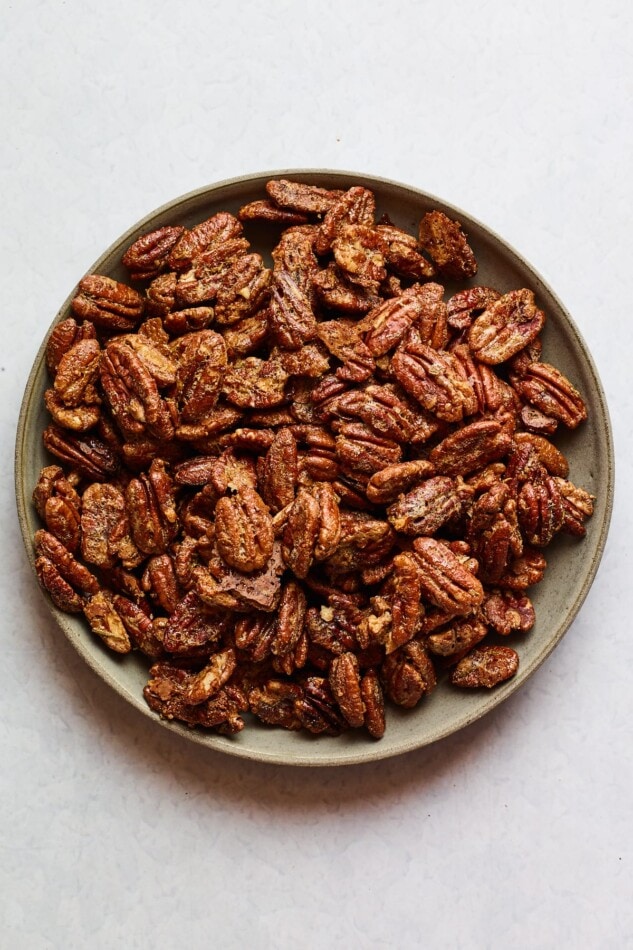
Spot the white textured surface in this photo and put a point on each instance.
(515, 833)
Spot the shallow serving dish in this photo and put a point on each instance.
(572, 565)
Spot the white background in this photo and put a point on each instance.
(516, 832)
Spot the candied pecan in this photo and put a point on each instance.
(147, 257)
(278, 471)
(228, 473)
(524, 571)
(408, 674)
(106, 623)
(105, 528)
(193, 624)
(133, 395)
(428, 507)
(188, 320)
(540, 510)
(243, 530)
(378, 407)
(63, 337)
(446, 583)
(364, 541)
(76, 374)
(300, 533)
(361, 451)
(445, 242)
(210, 680)
(243, 290)
(357, 205)
(485, 666)
(317, 709)
(143, 631)
(493, 532)
(342, 339)
(549, 390)
(290, 618)
(247, 335)
(402, 593)
(268, 211)
(165, 693)
(506, 612)
(344, 680)
(160, 582)
(359, 251)
(311, 360)
(432, 377)
(107, 303)
(274, 703)
(255, 384)
(85, 453)
(59, 505)
(506, 327)
(291, 319)
(466, 304)
(577, 507)
(387, 324)
(209, 272)
(161, 295)
(488, 388)
(403, 254)
(336, 292)
(217, 230)
(385, 486)
(151, 509)
(200, 374)
(373, 700)
(67, 581)
(536, 421)
(461, 635)
(222, 586)
(309, 199)
(471, 447)
(295, 255)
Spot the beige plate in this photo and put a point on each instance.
(572, 564)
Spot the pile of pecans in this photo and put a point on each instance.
(301, 489)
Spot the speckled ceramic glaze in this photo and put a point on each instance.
(572, 564)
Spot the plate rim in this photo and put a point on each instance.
(371, 752)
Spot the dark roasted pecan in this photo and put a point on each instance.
(373, 699)
(445, 581)
(506, 612)
(244, 530)
(255, 384)
(222, 586)
(485, 666)
(274, 703)
(408, 674)
(268, 211)
(63, 336)
(151, 509)
(59, 506)
(108, 304)
(433, 378)
(317, 709)
(67, 581)
(550, 391)
(344, 679)
(446, 244)
(428, 507)
(86, 454)
(160, 582)
(215, 231)
(193, 624)
(355, 206)
(361, 452)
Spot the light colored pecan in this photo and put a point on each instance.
(445, 582)
(211, 678)
(507, 612)
(506, 327)
(291, 318)
(344, 680)
(446, 244)
(466, 304)
(107, 303)
(268, 211)
(460, 636)
(255, 383)
(151, 509)
(85, 453)
(147, 257)
(428, 507)
(106, 623)
(485, 666)
(434, 379)
(408, 674)
(213, 232)
(309, 199)
(385, 486)
(470, 448)
(77, 418)
(59, 506)
(105, 528)
(545, 387)
(133, 395)
(243, 290)
(243, 530)
(209, 272)
(63, 337)
(355, 206)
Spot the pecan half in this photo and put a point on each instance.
(107, 303)
(244, 530)
(506, 327)
(445, 582)
(485, 666)
(445, 242)
(147, 257)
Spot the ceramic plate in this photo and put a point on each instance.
(572, 564)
